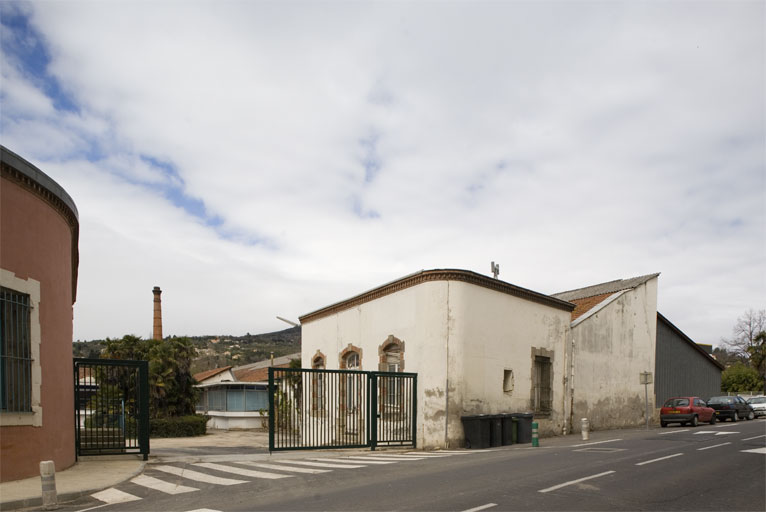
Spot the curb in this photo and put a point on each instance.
(64, 497)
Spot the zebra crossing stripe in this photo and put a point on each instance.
(434, 455)
(323, 464)
(200, 477)
(386, 456)
(204, 510)
(447, 452)
(161, 485)
(347, 460)
(369, 459)
(241, 471)
(284, 468)
(113, 495)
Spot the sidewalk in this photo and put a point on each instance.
(92, 474)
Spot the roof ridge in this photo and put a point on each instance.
(603, 288)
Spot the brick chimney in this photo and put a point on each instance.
(157, 335)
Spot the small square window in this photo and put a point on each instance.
(508, 381)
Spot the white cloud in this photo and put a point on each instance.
(572, 142)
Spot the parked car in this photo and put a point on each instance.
(731, 407)
(758, 403)
(686, 410)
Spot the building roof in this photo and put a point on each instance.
(424, 276)
(697, 347)
(259, 372)
(201, 376)
(589, 297)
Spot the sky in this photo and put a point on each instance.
(257, 159)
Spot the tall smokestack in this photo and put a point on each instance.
(157, 313)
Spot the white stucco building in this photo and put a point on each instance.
(478, 345)
(482, 345)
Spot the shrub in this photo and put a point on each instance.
(178, 426)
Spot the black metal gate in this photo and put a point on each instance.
(111, 406)
(310, 409)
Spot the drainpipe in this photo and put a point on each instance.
(446, 389)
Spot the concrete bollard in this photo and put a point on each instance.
(535, 441)
(585, 428)
(48, 479)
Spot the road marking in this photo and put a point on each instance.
(714, 433)
(559, 486)
(371, 460)
(673, 432)
(756, 437)
(596, 442)
(161, 485)
(323, 464)
(714, 446)
(199, 477)
(483, 507)
(204, 510)
(452, 452)
(433, 455)
(113, 495)
(285, 468)
(755, 450)
(661, 458)
(241, 471)
(400, 456)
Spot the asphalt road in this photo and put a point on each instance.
(720, 467)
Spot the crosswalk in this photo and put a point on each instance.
(167, 477)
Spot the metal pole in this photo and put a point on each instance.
(646, 401)
(535, 441)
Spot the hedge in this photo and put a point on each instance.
(178, 426)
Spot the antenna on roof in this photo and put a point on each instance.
(495, 269)
(288, 321)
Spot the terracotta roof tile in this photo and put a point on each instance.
(584, 305)
(199, 377)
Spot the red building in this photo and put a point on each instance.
(39, 231)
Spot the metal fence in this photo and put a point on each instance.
(340, 409)
(111, 406)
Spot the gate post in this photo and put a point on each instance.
(372, 414)
(143, 409)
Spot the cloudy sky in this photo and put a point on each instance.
(256, 159)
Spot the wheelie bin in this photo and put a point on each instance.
(524, 420)
(477, 431)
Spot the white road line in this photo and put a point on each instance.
(285, 468)
(204, 510)
(559, 486)
(113, 495)
(400, 457)
(661, 458)
(241, 471)
(161, 485)
(483, 507)
(199, 477)
(432, 455)
(596, 442)
(672, 432)
(322, 464)
(756, 437)
(714, 446)
(369, 460)
(755, 450)
(451, 452)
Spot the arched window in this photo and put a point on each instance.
(391, 354)
(351, 385)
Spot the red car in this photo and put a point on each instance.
(686, 410)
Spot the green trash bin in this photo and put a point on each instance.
(477, 431)
(509, 429)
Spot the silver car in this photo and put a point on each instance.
(758, 403)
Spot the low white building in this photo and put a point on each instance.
(478, 345)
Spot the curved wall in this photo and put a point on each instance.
(39, 230)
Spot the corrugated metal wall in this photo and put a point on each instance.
(681, 369)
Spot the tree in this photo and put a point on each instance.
(740, 378)
(745, 331)
(171, 385)
(757, 353)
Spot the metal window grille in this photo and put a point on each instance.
(543, 392)
(15, 352)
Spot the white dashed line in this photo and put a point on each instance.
(483, 507)
(673, 432)
(756, 437)
(710, 447)
(559, 486)
(755, 450)
(657, 460)
(596, 442)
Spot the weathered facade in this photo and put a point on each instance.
(613, 340)
(38, 274)
(478, 345)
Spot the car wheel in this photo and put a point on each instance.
(713, 419)
(735, 418)
(750, 415)
(694, 422)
